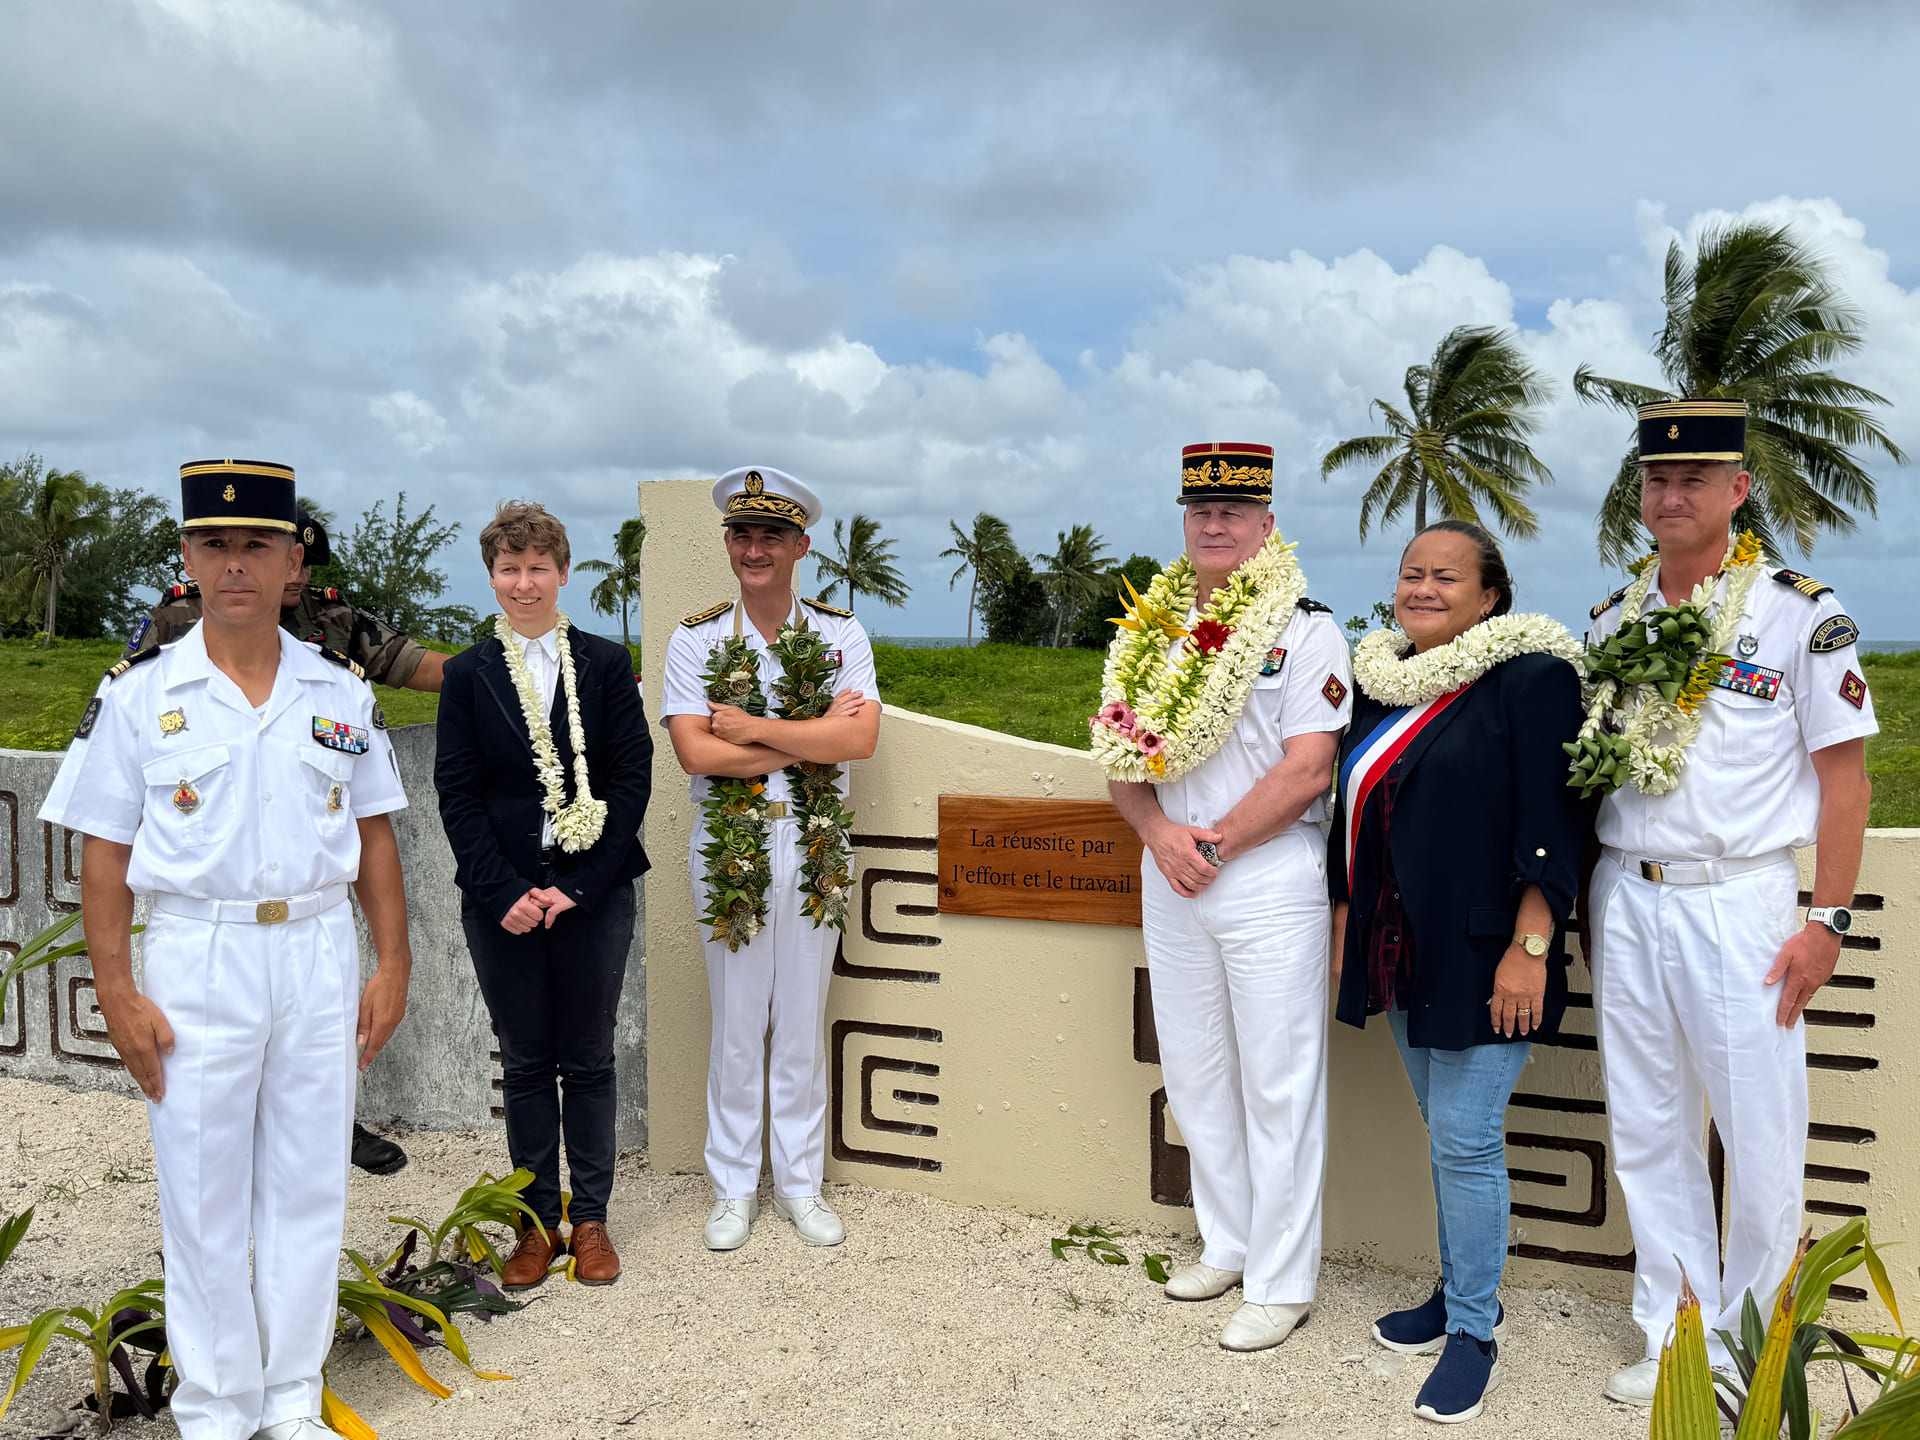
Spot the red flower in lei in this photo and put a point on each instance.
(1210, 637)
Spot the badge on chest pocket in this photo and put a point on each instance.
(1270, 666)
(338, 735)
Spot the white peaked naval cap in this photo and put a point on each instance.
(761, 495)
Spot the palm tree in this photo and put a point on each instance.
(1463, 437)
(1073, 574)
(1755, 316)
(863, 562)
(619, 587)
(986, 552)
(59, 508)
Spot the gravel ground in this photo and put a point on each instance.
(933, 1319)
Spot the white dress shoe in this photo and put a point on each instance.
(1261, 1327)
(730, 1223)
(305, 1428)
(813, 1219)
(1634, 1385)
(1201, 1282)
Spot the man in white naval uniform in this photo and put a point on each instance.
(777, 982)
(1701, 966)
(243, 779)
(1236, 916)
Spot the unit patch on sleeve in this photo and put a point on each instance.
(1835, 633)
(338, 735)
(87, 717)
(1853, 690)
(1744, 678)
(1334, 691)
(1276, 657)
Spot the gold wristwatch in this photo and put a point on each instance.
(1534, 945)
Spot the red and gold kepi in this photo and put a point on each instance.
(257, 494)
(1220, 471)
(1693, 430)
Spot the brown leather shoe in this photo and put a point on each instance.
(594, 1260)
(531, 1258)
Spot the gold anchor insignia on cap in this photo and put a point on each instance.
(754, 483)
(306, 536)
(172, 722)
(186, 799)
(333, 798)
(227, 494)
(1673, 432)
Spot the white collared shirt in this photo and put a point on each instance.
(220, 800)
(542, 654)
(1311, 689)
(1749, 787)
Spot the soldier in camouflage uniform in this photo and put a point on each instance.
(378, 651)
(311, 612)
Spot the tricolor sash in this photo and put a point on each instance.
(1370, 760)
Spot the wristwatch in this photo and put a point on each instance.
(1836, 918)
(1534, 945)
(1209, 852)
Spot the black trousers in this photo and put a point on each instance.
(552, 995)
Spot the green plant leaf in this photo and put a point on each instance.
(39, 1334)
(1156, 1267)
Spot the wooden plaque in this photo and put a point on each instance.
(1038, 860)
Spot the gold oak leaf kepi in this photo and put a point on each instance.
(256, 494)
(1220, 471)
(761, 495)
(1693, 430)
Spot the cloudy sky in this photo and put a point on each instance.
(931, 258)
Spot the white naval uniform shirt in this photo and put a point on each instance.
(1749, 786)
(685, 693)
(230, 803)
(1312, 690)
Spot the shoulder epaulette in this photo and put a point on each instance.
(188, 591)
(1313, 607)
(712, 612)
(1607, 604)
(324, 592)
(327, 652)
(1805, 584)
(826, 609)
(120, 667)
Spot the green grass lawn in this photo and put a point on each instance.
(1036, 694)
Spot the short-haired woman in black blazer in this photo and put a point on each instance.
(1453, 862)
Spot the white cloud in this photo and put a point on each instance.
(417, 427)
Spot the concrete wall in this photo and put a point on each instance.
(1012, 1062)
(440, 1071)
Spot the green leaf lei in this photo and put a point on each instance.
(735, 810)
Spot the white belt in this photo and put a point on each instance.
(253, 912)
(1693, 872)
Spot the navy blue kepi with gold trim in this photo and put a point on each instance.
(1693, 430)
(1218, 471)
(255, 493)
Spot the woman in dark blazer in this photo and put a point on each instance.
(1453, 863)
(547, 904)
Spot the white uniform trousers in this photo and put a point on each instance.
(1685, 1023)
(251, 1142)
(1240, 1005)
(773, 988)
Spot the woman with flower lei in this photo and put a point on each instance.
(767, 699)
(1453, 861)
(544, 766)
(1225, 694)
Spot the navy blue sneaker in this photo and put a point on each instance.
(1423, 1329)
(1468, 1372)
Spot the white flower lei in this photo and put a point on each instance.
(1658, 731)
(577, 826)
(1379, 670)
(1191, 705)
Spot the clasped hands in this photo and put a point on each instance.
(539, 906)
(735, 726)
(1177, 856)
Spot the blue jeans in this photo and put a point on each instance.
(1463, 1095)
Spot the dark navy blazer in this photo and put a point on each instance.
(1482, 811)
(490, 797)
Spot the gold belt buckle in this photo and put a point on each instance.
(1652, 870)
(270, 912)
(777, 810)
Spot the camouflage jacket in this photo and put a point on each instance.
(322, 614)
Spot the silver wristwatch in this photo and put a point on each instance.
(1836, 918)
